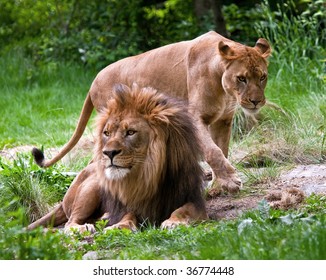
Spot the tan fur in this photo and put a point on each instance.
(212, 73)
(146, 167)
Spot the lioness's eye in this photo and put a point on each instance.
(242, 79)
(262, 78)
(106, 133)
(130, 132)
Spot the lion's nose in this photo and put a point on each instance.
(111, 153)
(255, 102)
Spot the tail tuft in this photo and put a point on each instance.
(38, 157)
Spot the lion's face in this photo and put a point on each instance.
(125, 142)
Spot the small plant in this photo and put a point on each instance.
(16, 243)
(315, 204)
(24, 184)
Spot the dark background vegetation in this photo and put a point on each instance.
(98, 32)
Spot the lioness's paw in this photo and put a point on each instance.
(231, 185)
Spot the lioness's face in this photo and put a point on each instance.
(246, 80)
(125, 143)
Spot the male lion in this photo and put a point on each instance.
(146, 167)
(212, 73)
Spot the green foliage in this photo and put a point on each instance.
(293, 130)
(315, 204)
(94, 32)
(16, 243)
(236, 16)
(172, 22)
(24, 184)
(298, 41)
(295, 35)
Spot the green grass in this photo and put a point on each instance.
(24, 185)
(259, 234)
(244, 238)
(39, 105)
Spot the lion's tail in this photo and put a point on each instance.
(82, 122)
(56, 217)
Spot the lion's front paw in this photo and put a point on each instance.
(173, 223)
(125, 225)
(79, 228)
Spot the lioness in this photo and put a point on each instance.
(211, 72)
(146, 167)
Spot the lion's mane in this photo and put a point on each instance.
(171, 175)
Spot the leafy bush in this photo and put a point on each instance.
(99, 32)
(236, 16)
(93, 32)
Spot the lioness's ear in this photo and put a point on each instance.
(225, 50)
(263, 47)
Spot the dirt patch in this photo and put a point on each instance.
(286, 198)
(228, 207)
(286, 192)
(309, 178)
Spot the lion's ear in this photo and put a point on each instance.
(263, 47)
(225, 50)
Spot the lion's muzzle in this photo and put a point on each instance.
(111, 153)
(118, 166)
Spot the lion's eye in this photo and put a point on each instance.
(242, 79)
(263, 78)
(130, 132)
(107, 133)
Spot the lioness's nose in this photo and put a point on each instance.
(111, 153)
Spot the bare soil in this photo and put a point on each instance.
(285, 192)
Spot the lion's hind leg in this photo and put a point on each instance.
(184, 215)
(54, 218)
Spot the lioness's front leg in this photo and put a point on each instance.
(225, 174)
(220, 132)
(184, 215)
